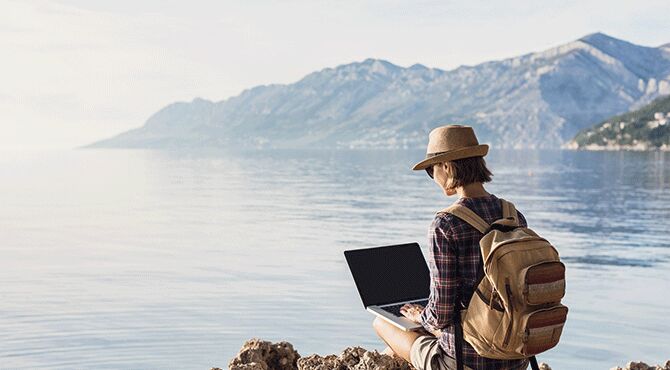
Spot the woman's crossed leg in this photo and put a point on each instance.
(398, 340)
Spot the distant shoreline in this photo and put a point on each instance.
(640, 147)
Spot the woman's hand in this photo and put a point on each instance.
(412, 311)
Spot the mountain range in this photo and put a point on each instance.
(537, 100)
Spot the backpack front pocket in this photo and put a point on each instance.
(543, 283)
(543, 329)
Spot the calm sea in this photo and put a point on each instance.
(115, 259)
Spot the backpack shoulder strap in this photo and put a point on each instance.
(467, 215)
(509, 211)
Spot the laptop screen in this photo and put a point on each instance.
(389, 274)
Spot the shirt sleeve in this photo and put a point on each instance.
(438, 313)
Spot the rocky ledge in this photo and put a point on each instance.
(258, 354)
(642, 366)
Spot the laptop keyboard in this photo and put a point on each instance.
(395, 309)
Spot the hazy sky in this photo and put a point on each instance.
(72, 72)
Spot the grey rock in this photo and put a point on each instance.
(258, 354)
(643, 366)
(637, 366)
(353, 358)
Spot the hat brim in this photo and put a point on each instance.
(471, 151)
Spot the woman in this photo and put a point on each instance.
(454, 160)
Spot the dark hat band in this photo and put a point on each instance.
(431, 155)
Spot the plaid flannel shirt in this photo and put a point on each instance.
(447, 234)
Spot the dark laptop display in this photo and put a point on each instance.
(389, 274)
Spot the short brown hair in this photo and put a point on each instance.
(466, 171)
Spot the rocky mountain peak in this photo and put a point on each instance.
(539, 99)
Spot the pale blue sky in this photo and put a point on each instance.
(76, 71)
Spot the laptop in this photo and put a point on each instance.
(388, 277)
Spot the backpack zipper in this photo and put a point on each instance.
(508, 334)
(510, 298)
(493, 304)
(493, 290)
(495, 247)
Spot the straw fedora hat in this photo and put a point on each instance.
(451, 142)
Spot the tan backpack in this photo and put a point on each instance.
(516, 310)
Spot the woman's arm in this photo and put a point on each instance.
(413, 312)
(443, 280)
